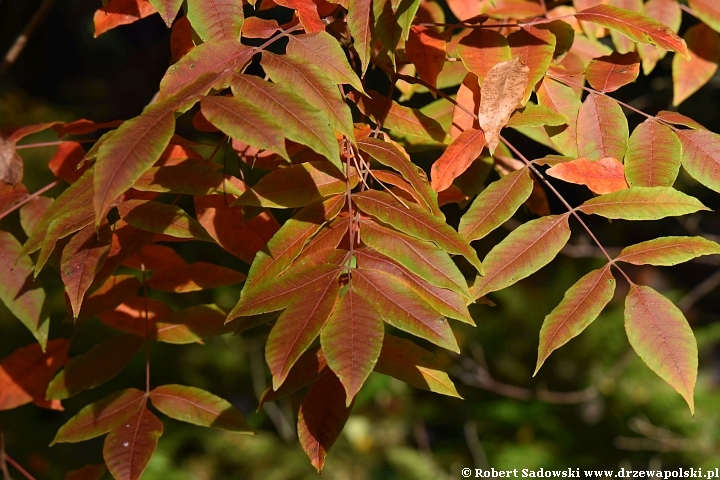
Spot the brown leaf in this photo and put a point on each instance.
(502, 91)
(11, 164)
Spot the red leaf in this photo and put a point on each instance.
(121, 12)
(18, 292)
(82, 258)
(307, 13)
(110, 294)
(25, 373)
(425, 48)
(88, 472)
(167, 9)
(162, 218)
(193, 277)
(359, 21)
(245, 239)
(457, 158)
(690, 75)
(667, 12)
(602, 129)
(611, 72)
(708, 11)
(100, 417)
(255, 27)
(465, 9)
(321, 418)
(27, 130)
(351, 340)
(32, 212)
(635, 26)
(10, 195)
(181, 41)
(130, 445)
(535, 48)
(402, 308)
(606, 175)
(63, 164)
(561, 99)
(126, 241)
(308, 309)
(98, 365)
(84, 126)
(701, 156)
(482, 50)
(306, 371)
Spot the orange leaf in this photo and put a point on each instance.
(611, 72)
(457, 158)
(482, 50)
(425, 48)
(307, 13)
(468, 96)
(606, 175)
(25, 373)
(121, 12)
(690, 75)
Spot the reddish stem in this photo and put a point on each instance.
(50, 144)
(18, 467)
(29, 198)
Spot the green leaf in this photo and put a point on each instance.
(20, 295)
(526, 250)
(701, 156)
(537, 116)
(162, 218)
(415, 221)
(424, 259)
(360, 22)
(446, 302)
(216, 20)
(322, 49)
(642, 203)
(580, 306)
(296, 186)
(496, 204)
(214, 58)
(653, 156)
(392, 155)
(666, 251)
(402, 359)
(300, 323)
(196, 406)
(602, 129)
(244, 121)
(168, 9)
(97, 366)
(125, 156)
(351, 341)
(289, 241)
(129, 446)
(635, 26)
(402, 308)
(317, 89)
(321, 418)
(300, 121)
(660, 334)
(100, 417)
(81, 260)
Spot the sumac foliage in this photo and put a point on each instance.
(352, 262)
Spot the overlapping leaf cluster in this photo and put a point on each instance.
(367, 250)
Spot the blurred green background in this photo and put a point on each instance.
(593, 405)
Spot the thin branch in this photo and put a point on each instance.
(18, 467)
(50, 144)
(17, 47)
(3, 461)
(544, 8)
(689, 10)
(700, 290)
(29, 198)
(147, 328)
(472, 439)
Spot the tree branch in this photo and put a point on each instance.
(17, 47)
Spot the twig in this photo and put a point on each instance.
(472, 439)
(18, 467)
(17, 47)
(29, 198)
(3, 462)
(50, 144)
(147, 328)
(700, 290)
(689, 10)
